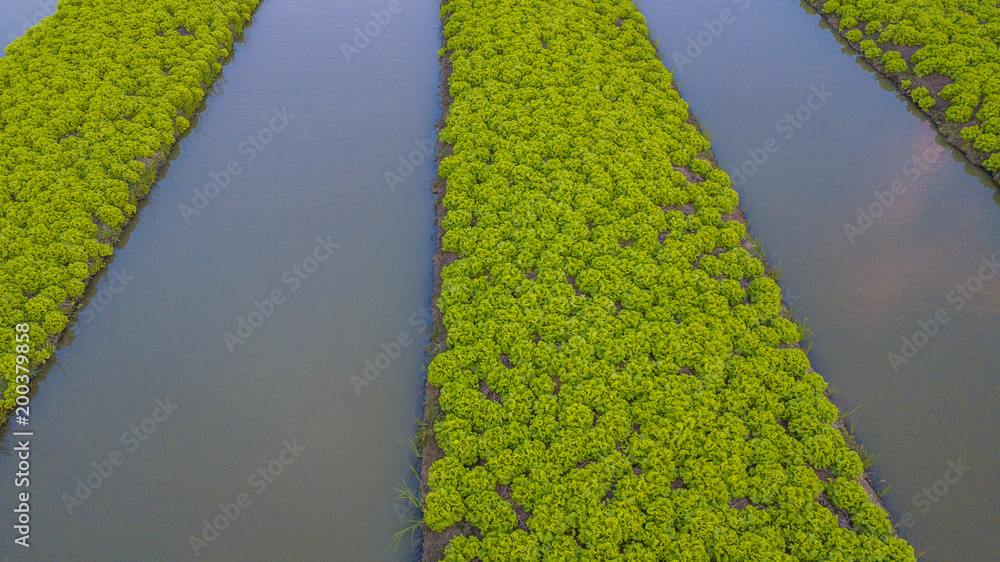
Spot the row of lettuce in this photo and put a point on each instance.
(620, 381)
(944, 53)
(91, 99)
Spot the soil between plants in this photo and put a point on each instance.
(433, 543)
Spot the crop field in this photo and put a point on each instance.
(944, 54)
(620, 378)
(614, 280)
(91, 100)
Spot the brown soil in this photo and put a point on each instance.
(933, 82)
(433, 543)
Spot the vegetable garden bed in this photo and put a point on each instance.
(615, 376)
(942, 54)
(91, 101)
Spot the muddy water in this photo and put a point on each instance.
(154, 421)
(816, 140)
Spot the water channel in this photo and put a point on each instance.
(310, 214)
(773, 70)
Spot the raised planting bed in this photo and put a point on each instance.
(91, 101)
(615, 376)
